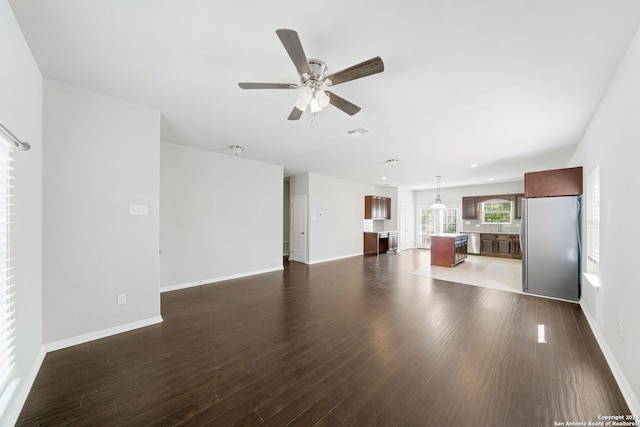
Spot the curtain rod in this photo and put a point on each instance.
(14, 139)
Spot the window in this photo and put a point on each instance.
(428, 226)
(497, 212)
(449, 220)
(7, 333)
(593, 219)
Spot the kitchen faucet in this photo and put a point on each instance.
(499, 228)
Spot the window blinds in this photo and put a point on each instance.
(593, 214)
(7, 316)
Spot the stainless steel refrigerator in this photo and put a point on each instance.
(550, 241)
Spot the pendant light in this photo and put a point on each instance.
(438, 203)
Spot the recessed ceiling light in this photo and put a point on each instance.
(489, 179)
(473, 166)
(384, 177)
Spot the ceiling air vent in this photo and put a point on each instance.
(357, 132)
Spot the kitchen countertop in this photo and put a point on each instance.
(384, 231)
(448, 235)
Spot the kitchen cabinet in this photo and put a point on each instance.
(376, 207)
(393, 242)
(500, 245)
(516, 251)
(380, 242)
(488, 244)
(469, 208)
(461, 248)
(553, 183)
(371, 244)
(504, 244)
(448, 250)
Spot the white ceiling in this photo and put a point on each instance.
(509, 85)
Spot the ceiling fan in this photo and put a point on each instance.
(314, 81)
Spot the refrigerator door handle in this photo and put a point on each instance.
(522, 232)
(578, 212)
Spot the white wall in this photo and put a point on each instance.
(299, 184)
(21, 112)
(101, 155)
(221, 216)
(336, 214)
(613, 140)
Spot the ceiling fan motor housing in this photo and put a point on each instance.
(318, 72)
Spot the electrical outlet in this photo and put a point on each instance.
(138, 210)
(122, 299)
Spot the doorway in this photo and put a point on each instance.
(436, 221)
(406, 227)
(298, 234)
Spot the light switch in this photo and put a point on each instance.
(138, 210)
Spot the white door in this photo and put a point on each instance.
(298, 249)
(407, 226)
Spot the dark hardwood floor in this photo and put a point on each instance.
(353, 342)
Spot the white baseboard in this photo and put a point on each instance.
(625, 387)
(334, 259)
(24, 387)
(27, 382)
(81, 339)
(217, 279)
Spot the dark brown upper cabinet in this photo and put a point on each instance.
(553, 183)
(469, 208)
(376, 207)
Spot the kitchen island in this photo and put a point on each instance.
(448, 250)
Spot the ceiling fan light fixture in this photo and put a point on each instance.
(322, 98)
(314, 106)
(304, 98)
(313, 76)
(315, 99)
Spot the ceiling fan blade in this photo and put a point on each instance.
(295, 114)
(291, 43)
(343, 104)
(244, 85)
(363, 69)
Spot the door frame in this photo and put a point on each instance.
(300, 254)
